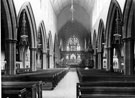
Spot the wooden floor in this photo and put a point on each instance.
(66, 87)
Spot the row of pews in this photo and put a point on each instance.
(30, 85)
(102, 84)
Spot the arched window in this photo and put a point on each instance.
(73, 44)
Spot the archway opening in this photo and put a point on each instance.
(39, 50)
(23, 42)
(116, 43)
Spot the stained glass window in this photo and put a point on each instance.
(73, 44)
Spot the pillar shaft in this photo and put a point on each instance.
(95, 59)
(109, 59)
(33, 59)
(128, 56)
(100, 60)
(44, 61)
(10, 57)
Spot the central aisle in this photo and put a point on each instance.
(66, 87)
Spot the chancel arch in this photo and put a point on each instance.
(9, 37)
(114, 34)
(27, 37)
(129, 37)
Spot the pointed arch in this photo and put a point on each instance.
(42, 31)
(101, 30)
(31, 19)
(100, 43)
(26, 7)
(9, 21)
(113, 26)
(114, 7)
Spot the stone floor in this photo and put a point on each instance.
(66, 88)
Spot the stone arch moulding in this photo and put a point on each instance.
(129, 10)
(11, 18)
(110, 18)
(11, 35)
(128, 36)
(43, 34)
(33, 32)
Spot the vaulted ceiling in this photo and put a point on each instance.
(81, 26)
(82, 11)
(59, 5)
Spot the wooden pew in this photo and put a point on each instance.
(105, 89)
(34, 88)
(103, 84)
(10, 93)
(50, 78)
(96, 75)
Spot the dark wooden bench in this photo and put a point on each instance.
(106, 89)
(17, 93)
(102, 84)
(50, 78)
(33, 88)
(96, 75)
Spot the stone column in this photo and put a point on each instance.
(10, 57)
(95, 59)
(109, 59)
(44, 60)
(51, 61)
(33, 60)
(128, 56)
(99, 60)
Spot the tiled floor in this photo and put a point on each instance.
(66, 87)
